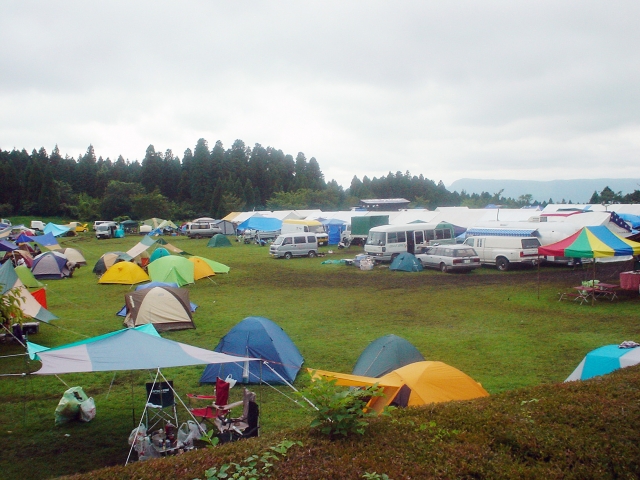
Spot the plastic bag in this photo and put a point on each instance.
(190, 431)
(142, 444)
(87, 410)
(68, 408)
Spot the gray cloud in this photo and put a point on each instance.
(494, 89)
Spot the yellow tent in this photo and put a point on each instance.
(201, 268)
(425, 382)
(126, 273)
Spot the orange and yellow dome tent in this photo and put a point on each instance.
(418, 383)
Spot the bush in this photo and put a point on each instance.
(340, 410)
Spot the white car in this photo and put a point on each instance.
(450, 258)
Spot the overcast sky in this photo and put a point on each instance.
(480, 89)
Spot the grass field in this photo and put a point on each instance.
(506, 330)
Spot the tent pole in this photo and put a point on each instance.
(538, 277)
(593, 284)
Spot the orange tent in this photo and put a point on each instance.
(418, 383)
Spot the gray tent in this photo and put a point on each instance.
(226, 226)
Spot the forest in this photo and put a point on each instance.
(209, 182)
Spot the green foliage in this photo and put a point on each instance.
(341, 410)
(254, 466)
(10, 311)
(376, 476)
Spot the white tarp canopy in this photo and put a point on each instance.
(127, 349)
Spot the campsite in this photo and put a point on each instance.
(506, 330)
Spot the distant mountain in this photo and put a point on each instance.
(576, 191)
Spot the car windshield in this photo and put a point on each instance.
(278, 241)
(376, 238)
(464, 252)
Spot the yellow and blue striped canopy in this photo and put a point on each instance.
(592, 242)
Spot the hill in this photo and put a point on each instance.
(576, 191)
(571, 430)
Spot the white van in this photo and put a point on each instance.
(503, 251)
(386, 242)
(294, 245)
(312, 226)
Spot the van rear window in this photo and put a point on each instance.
(530, 243)
(311, 239)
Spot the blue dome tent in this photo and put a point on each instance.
(257, 337)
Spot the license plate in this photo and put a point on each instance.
(466, 260)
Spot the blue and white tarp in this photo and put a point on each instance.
(605, 360)
(263, 224)
(127, 349)
(501, 232)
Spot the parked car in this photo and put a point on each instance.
(78, 227)
(106, 230)
(294, 245)
(201, 230)
(37, 225)
(450, 258)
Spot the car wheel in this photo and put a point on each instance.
(443, 268)
(502, 264)
(288, 256)
(312, 254)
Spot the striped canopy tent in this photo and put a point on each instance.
(592, 242)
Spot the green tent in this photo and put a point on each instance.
(26, 277)
(172, 269)
(215, 266)
(219, 240)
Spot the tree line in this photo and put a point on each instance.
(206, 182)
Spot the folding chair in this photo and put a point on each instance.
(214, 410)
(246, 426)
(161, 404)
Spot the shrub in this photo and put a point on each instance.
(340, 410)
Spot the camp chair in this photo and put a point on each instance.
(246, 426)
(161, 405)
(220, 400)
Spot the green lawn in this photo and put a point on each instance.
(506, 330)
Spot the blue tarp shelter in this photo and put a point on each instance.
(55, 230)
(7, 246)
(263, 224)
(46, 240)
(261, 338)
(334, 228)
(127, 349)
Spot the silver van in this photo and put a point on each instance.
(294, 245)
(202, 229)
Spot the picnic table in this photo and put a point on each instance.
(585, 293)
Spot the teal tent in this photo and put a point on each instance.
(406, 262)
(384, 355)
